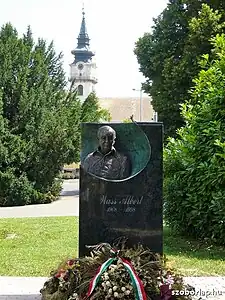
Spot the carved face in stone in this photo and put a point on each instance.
(106, 138)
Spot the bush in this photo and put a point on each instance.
(194, 163)
(128, 120)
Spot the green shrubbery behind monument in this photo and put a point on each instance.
(194, 186)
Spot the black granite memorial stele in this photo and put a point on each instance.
(132, 207)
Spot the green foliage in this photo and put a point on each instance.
(168, 57)
(39, 120)
(194, 186)
(128, 120)
(92, 112)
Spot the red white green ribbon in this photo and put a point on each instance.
(136, 281)
(97, 277)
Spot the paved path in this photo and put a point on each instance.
(21, 288)
(67, 205)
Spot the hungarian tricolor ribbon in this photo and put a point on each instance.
(136, 281)
(97, 276)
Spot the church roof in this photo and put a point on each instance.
(82, 51)
(122, 108)
(83, 27)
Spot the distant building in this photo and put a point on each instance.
(83, 68)
(83, 74)
(123, 108)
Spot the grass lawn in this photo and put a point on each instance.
(35, 246)
(191, 258)
(39, 246)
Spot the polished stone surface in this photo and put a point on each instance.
(130, 208)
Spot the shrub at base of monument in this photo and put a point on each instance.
(133, 273)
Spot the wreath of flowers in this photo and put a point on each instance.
(109, 273)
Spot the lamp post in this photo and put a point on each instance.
(140, 102)
(155, 116)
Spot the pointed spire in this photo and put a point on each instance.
(83, 38)
(82, 51)
(83, 28)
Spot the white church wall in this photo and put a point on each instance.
(85, 76)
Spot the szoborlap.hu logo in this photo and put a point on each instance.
(200, 293)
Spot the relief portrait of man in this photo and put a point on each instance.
(106, 162)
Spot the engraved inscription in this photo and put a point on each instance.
(104, 200)
(127, 203)
(130, 209)
(112, 209)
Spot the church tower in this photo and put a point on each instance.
(83, 69)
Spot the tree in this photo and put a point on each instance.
(168, 57)
(92, 112)
(39, 119)
(194, 185)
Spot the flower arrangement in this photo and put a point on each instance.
(109, 273)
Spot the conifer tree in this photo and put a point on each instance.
(39, 119)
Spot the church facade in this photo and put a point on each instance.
(84, 77)
(83, 68)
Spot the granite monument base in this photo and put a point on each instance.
(130, 209)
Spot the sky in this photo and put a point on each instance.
(113, 27)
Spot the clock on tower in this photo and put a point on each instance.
(83, 69)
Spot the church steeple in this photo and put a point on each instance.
(82, 51)
(83, 69)
(83, 36)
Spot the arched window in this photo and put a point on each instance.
(80, 90)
